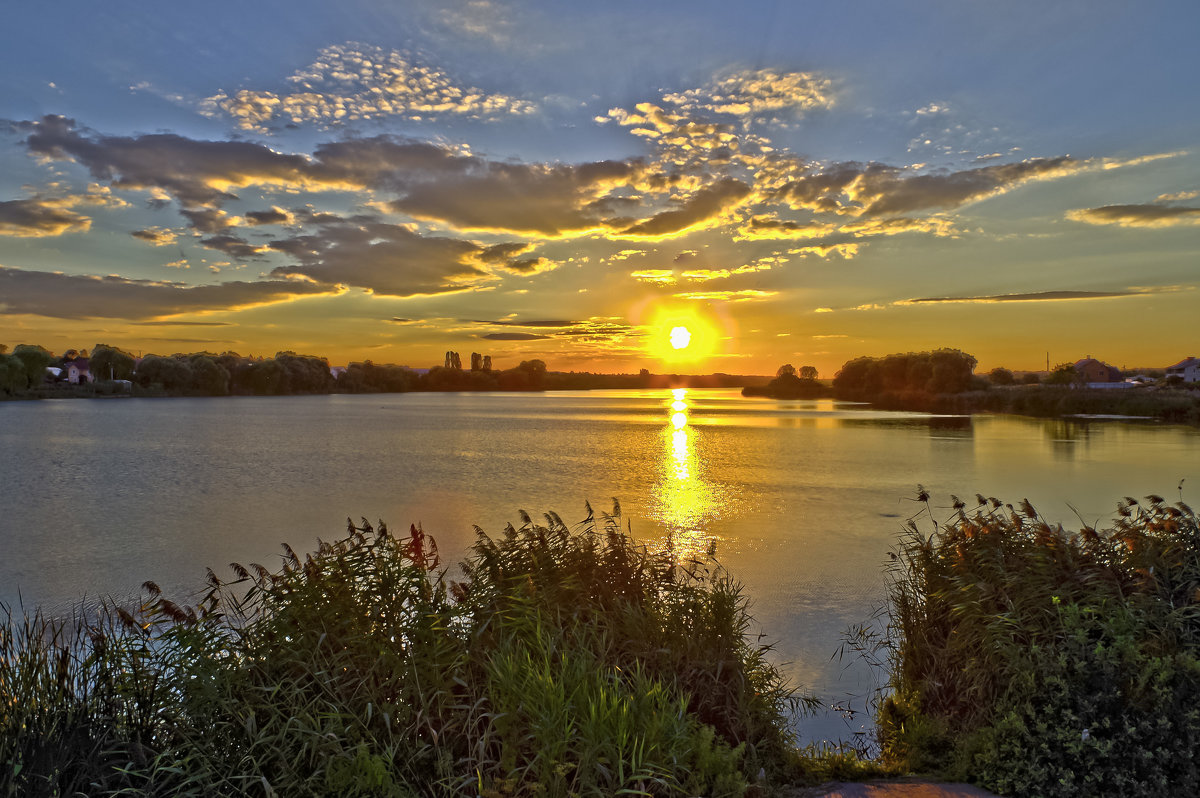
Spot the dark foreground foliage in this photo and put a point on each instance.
(561, 663)
(1040, 662)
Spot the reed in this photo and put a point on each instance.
(1040, 661)
(554, 661)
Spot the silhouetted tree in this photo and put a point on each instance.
(110, 363)
(12, 374)
(787, 369)
(1001, 376)
(34, 359)
(808, 372)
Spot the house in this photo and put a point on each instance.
(1091, 371)
(1187, 369)
(76, 371)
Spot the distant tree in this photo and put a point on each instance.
(110, 363)
(172, 374)
(1030, 378)
(1063, 374)
(209, 378)
(1001, 376)
(12, 374)
(35, 359)
(952, 371)
(266, 378)
(808, 372)
(786, 370)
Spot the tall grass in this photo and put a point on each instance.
(558, 662)
(1042, 662)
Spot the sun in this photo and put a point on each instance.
(682, 335)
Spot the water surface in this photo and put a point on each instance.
(803, 498)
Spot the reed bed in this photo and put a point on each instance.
(1037, 661)
(557, 661)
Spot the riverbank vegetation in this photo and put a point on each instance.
(110, 371)
(556, 662)
(1035, 661)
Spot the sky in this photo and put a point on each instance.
(796, 182)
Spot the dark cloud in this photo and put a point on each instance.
(1147, 215)
(67, 296)
(384, 258)
(705, 204)
(536, 199)
(170, 323)
(273, 216)
(533, 323)
(880, 190)
(196, 173)
(38, 217)
(156, 236)
(232, 246)
(528, 266)
(514, 336)
(1045, 295)
(430, 181)
(207, 220)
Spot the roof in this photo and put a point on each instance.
(1187, 362)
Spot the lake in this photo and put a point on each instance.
(804, 499)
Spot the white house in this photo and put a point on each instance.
(1188, 369)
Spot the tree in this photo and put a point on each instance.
(1063, 374)
(12, 374)
(1001, 376)
(173, 374)
(110, 363)
(786, 370)
(808, 372)
(35, 359)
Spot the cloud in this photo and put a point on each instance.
(196, 173)
(174, 323)
(757, 92)
(514, 336)
(394, 260)
(696, 211)
(272, 216)
(158, 236)
(654, 276)
(530, 323)
(1151, 215)
(40, 217)
(549, 200)
(744, 295)
(1044, 296)
(880, 190)
(233, 246)
(844, 251)
(482, 19)
(355, 81)
(84, 296)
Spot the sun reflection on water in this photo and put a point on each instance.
(685, 502)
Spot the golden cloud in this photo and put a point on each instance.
(356, 81)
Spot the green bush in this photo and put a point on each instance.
(1039, 662)
(560, 662)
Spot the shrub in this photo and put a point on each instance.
(1039, 662)
(562, 662)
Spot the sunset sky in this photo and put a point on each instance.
(810, 181)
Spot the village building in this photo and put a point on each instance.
(1187, 369)
(1092, 371)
